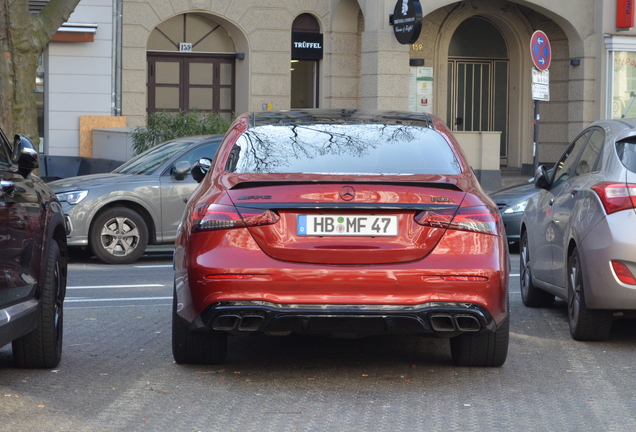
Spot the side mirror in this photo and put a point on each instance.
(24, 155)
(542, 178)
(180, 170)
(200, 169)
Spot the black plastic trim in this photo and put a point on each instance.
(265, 183)
(345, 206)
(335, 319)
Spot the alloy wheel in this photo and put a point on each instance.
(574, 290)
(59, 300)
(524, 268)
(120, 236)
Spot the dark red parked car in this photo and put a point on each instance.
(340, 222)
(32, 258)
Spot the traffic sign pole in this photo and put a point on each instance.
(535, 147)
(541, 54)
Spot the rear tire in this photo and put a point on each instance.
(530, 295)
(482, 348)
(196, 347)
(42, 348)
(585, 324)
(118, 236)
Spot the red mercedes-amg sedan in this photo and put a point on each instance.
(340, 223)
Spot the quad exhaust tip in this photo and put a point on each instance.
(440, 322)
(246, 323)
(449, 323)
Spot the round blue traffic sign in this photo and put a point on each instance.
(540, 50)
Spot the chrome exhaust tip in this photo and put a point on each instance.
(251, 323)
(225, 322)
(442, 322)
(467, 323)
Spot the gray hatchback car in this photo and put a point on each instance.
(116, 215)
(578, 240)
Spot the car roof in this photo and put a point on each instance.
(340, 116)
(616, 129)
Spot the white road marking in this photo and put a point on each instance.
(115, 286)
(88, 300)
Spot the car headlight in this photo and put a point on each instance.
(516, 208)
(73, 197)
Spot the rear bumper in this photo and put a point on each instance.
(444, 319)
(241, 289)
(612, 239)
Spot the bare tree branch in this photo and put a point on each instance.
(23, 38)
(54, 14)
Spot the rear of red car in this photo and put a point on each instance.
(341, 223)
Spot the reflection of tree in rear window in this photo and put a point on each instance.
(627, 154)
(346, 149)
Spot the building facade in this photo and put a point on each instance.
(471, 65)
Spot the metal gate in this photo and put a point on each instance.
(478, 98)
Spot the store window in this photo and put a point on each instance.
(621, 76)
(39, 99)
(306, 50)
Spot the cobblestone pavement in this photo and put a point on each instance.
(117, 374)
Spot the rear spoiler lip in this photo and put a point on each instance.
(433, 185)
(345, 206)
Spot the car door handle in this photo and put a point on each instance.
(7, 187)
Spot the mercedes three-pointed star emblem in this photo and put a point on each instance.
(347, 193)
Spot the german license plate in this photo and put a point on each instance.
(348, 225)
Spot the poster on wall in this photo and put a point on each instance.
(624, 85)
(421, 89)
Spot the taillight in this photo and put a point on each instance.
(623, 273)
(216, 216)
(477, 219)
(254, 217)
(616, 196)
(436, 219)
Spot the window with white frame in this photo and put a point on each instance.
(621, 76)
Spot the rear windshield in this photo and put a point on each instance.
(347, 149)
(627, 154)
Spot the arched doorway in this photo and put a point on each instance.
(191, 66)
(478, 71)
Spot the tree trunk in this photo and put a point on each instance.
(23, 38)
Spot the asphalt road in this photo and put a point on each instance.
(117, 373)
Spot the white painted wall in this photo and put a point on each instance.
(79, 78)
